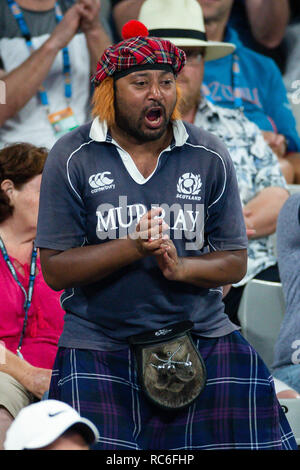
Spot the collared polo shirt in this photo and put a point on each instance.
(92, 192)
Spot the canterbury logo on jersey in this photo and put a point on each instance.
(101, 181)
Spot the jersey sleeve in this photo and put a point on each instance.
(61, 220)
(225, 227)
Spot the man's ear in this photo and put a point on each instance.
(8, 187)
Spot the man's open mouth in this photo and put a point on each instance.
(154, 117)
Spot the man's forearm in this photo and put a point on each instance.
(34, 379)
(214, 269)
(97, 41)
(23, 82)
(268, 20)
(13, 365)
(88, 264)
(124, 11)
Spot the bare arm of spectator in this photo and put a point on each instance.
(294, 159)
(124, 11)
(268, 20)
(83, 265)
(23, 82)
(213, 269)
(96, 37)
(262, 211)
(33, 379)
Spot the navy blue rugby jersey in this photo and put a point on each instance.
(92, 192)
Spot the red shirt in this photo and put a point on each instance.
(45, 316)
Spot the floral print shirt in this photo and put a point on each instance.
(256, 166)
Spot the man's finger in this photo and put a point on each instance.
(153, 245)
(155, 232)
(153, 212)
(147, 224)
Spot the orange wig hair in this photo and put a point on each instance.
(103, 102)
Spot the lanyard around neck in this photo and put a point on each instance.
(27, 295)
(236, 84)
(18, 14)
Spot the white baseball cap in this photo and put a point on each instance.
(181, 22)
(40, 424)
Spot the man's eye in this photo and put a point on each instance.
(141, 83)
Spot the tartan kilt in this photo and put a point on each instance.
(237, 409)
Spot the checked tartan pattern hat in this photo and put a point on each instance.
(136, 52)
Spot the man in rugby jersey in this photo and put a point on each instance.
(143, 228)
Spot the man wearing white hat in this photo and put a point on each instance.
(261, 184)
(50, 425)
(255, 77)
(234, 81)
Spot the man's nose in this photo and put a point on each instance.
(155, 91)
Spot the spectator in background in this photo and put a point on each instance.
(261, 25)
(291, 75)
(262, 20)
(264, 100)
(286, 365)
(292, 36)
(46, 64)
(31, 317)
(261, 185)
(253, 82)
(50, 425)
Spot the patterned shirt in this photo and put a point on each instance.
(256, 167)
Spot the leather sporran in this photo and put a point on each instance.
(171, 370)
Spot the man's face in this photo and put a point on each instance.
(144, 103)
(215, 10)
(190, 79)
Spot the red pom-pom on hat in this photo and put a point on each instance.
(134, 28)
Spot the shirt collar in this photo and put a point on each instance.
(99, 132)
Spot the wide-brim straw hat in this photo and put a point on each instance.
(182, 23)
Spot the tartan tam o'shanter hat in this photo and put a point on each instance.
(138, 51)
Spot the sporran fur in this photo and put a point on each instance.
(171, 371)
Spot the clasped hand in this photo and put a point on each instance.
(277, 142)
(151, 240)
(84, 14)
(89, 11)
